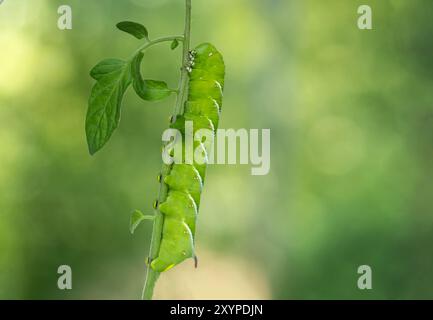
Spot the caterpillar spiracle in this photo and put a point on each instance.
(185, 181)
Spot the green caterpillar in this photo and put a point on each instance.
(185, 181)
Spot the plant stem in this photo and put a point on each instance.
(183, 86)
(151, 43)
(152, 275)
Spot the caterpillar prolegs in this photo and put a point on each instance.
(185, 181)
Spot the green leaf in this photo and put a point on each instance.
(133, 28)
(174, 44)
(149, 90)
(103, 114)
(136, 217)
(105, 67)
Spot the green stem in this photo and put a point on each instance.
(183, 86)
(151, 43)
(158, 223)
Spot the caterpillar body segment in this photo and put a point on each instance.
(176, 247)
(205, 88)
(181, 206)
(185, 178)
(200, 156)
(185, 181)
(204, 107)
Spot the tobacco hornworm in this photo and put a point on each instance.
(185, 181)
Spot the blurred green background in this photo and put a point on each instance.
(351, 119)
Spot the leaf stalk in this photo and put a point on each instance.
(150, 43)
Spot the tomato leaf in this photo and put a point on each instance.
(174, 44)
(133, 28)
(106, 67)
(149, 90)
(103, 114)
(136, 217)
